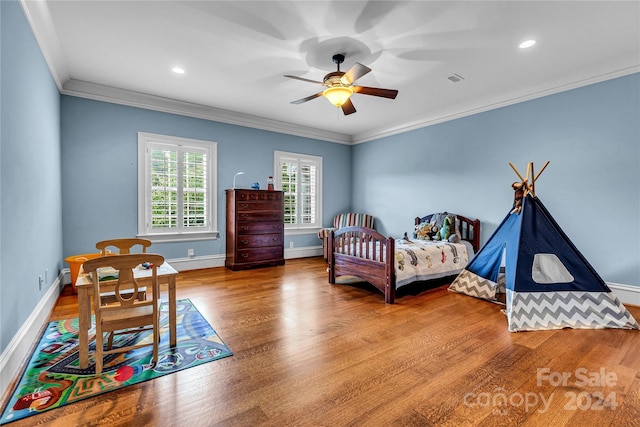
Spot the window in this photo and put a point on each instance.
(176, 188)
(549, 269)
(299, 176)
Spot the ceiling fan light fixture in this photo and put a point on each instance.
(338, 95)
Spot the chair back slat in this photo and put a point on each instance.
(123, 245)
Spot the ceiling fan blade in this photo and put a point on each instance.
(375, 91)
(348, 108)
(354, 73)
(303, 79)
(308, 98)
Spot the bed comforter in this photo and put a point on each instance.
(425, 260)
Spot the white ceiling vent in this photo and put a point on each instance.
(455, 78)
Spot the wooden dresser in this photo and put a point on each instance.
(255, 228)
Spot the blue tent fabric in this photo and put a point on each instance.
(572, 293)
(488, 260)
(522, 240)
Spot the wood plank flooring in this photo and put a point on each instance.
(307, 353)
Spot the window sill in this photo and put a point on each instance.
(180, 237)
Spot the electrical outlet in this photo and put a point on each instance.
(191, 253)
(290, 245)
(40, 282)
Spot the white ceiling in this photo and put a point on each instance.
(235, 54)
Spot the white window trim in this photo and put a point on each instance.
(144, 194)
(294, 229)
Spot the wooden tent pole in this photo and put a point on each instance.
(533, 180)
(543, 167)
(516, 171)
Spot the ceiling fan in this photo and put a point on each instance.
(340, 86)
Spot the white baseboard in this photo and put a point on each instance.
(305, 252)
(185, 264)
(626, 293)
(19, 348)
(211, 261)
(196, 263)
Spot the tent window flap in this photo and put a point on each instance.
(548, 269)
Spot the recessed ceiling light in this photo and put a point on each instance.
(527, 43)
(178, 70)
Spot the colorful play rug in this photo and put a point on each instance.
(53, 377)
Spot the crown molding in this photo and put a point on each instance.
(39, 19)
(460, 111)
(114, 95)
(136, 99)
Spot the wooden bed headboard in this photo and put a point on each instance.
(469, 228)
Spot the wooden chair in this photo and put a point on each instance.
(127, 314)
(123, 245)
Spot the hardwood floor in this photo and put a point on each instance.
(307, 353)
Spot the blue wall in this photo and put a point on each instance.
(30, 181)
(590, 135)
(99, 163)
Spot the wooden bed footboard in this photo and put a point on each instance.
(363, 252)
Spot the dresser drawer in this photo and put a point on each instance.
(260, 227)
(262, 205)
(260, 254)
(259, 240)
(252, 195)
(259, 216)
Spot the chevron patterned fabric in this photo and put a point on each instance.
(471, 284)
(533, 311)
(547, 282)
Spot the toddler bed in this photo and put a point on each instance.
(389, 263)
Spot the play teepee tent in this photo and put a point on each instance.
(547, 282)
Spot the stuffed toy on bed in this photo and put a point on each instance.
(425, 231)
(446, 231)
